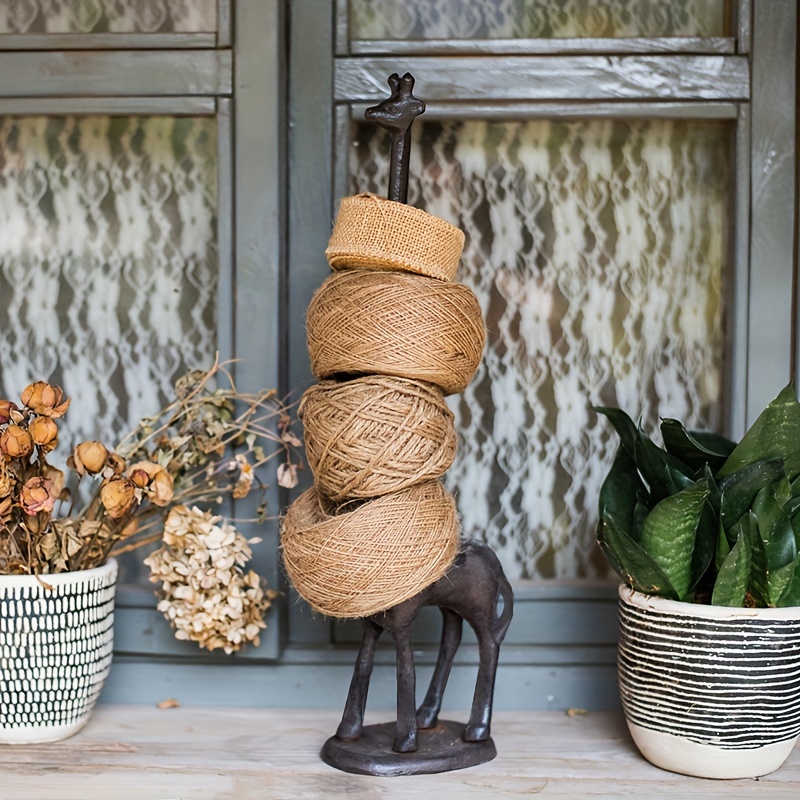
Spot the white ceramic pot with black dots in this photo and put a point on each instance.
(56, 643)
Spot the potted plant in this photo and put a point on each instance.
(705, 534)
(58, 539)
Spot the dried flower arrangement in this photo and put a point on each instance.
(145, 491)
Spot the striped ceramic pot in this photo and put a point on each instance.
(709, 691)
(56, 640)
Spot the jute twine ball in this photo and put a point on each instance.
(372, 232)
(364, 322)
(376, 435)
(357, 563)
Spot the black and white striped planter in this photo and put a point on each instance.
(709, 691)
(55, 651)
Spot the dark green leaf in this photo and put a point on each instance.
(758, 586)
(695, 448)
(774, 524)
(740, 489)
(796, 527)
(780, 581)
(670, 533)
(640, 513)
(775, 434)
(621, 491)
(730, 588)
(705, 544)
(632, 563)
(664, 474)
(623, 425)
(714, 496)
(790, 596)
(794, 501)
(723, 547)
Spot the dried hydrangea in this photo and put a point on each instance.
(206, 594)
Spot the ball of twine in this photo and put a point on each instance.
(357, 563)
(375, 435)
(364, 322)
(372, 232)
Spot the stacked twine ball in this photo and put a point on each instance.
(389, 335)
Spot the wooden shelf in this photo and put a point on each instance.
(143, 753)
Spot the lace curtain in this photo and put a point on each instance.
(596, 249)
(534, 19)
(107, 16)
(108, 261)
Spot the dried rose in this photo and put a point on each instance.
(6, 409)
(118, 496)
(16, 442)
(37, 495)
(43, 431)
(138, 477)
(45, 399)
(6, 507)
(115, 465)
(7, 483)
(154, 479)
(88, 457)
(57, 479)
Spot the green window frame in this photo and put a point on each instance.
(284, 82)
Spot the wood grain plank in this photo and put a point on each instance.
(148, 754)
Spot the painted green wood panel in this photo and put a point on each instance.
(546, 617)
(568, 678)
(540, 617)
(259, 334)
(773, 178)
(666, 44)
(99, 73)
(107, 41)
(545, 78)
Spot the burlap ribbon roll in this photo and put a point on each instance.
(357, 563)
(364, 322)
(372, 232)
(375, 435)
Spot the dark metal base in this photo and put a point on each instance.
(441, 749)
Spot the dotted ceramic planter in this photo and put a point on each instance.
(55, 651)
(709, 691)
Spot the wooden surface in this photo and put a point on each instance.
(145, 753)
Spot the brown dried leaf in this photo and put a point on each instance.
(170, 703)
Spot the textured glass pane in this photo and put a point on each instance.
(596, 249)
(534, 19)
(108, 261)
(108, 16)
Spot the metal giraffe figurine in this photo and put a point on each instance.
(396, 115)
(474, 589)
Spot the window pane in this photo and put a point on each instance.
(107, 16)
(108, 262)
(596, 249)
(534, 19)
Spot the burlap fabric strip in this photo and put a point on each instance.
(360, 562)
(363, 322)
(372, 232)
